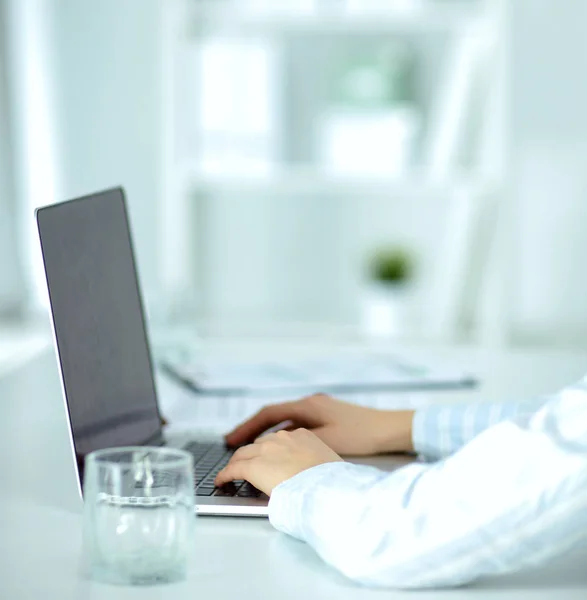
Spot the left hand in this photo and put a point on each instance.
(275, 457)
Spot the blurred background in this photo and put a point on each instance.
(414, 169)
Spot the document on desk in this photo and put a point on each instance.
(219, 414)
(334, 374)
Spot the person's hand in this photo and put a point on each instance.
(275, 457)
(346, 428)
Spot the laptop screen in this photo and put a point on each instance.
(99, 323)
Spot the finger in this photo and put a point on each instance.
(233, 470)
(267, 417)
(283, 426)
(263, 439)
(244, 453)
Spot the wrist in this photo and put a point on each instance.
(396, 431)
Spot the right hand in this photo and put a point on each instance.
(346, 428)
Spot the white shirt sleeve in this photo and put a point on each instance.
(514, 497)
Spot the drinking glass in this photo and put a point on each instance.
(138, 514)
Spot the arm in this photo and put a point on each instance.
(514, 497)
(351, 430)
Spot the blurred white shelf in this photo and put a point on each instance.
(309, 181)
(236, 18)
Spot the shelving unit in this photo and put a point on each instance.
(234, 18)
(307, 180)
(188, 187)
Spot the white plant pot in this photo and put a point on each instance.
(386, 309)
(375, 143)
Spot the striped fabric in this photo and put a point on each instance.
(510, 492)
(440, 431)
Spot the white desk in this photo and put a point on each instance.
(233, 558)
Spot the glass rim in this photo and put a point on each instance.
(178, 456)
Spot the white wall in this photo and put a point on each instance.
(548, 82)
(11, 282)
(107, 86)
(302, 257)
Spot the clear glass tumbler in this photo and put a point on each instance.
(138, 515)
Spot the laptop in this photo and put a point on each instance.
(103, 351)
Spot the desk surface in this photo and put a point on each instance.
(233, 558)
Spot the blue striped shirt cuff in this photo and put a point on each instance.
(439, 431)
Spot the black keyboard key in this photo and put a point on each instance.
(227, 490)
(213, 461)
(205, 491)
(248, 491)
(198, 450)
(198, 454)
(209, 459)
(207, 466)
(202, 451)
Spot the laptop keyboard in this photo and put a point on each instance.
(209, 459)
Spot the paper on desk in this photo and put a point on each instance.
(218, 414)
(340, 373)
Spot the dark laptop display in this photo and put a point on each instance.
(99, 322)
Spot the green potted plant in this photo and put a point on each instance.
(390, 271)
(391, 266)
